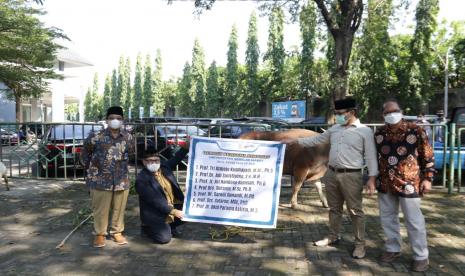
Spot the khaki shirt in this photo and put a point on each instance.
(352, 146)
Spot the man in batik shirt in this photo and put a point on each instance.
(406, 169)
(106, 155)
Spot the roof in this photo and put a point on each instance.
(72, 59)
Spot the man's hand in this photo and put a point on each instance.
(179, 214)
(425, 186)
(371, 185)
(289, 141)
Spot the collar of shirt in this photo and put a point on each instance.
(108, 132)
(402, 128)
(355, 124)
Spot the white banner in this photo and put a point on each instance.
(234, 182)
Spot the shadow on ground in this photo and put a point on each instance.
(37, 214)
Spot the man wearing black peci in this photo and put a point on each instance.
(160, 197)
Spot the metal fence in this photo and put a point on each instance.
(36, 150)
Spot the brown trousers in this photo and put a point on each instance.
(345, 187)
(102, 203)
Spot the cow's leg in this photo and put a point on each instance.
(296, 185)
(319, 188)
(6, 182)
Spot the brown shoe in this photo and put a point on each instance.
(420, 265)
(359, 251)
(119, 239)
(99, 241)
(389, 257)
(327, 241)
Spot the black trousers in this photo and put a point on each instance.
(162, 232)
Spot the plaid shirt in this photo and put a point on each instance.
(106, 160)
(405, 159)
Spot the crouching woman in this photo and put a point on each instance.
(160, 197)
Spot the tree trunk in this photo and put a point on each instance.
(342, 50)
(18, 108)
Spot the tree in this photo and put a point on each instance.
(342, 20)
(114, 99)
(307, 32)
(107, 93)
(27, 51)
(121, 85)
(275, 56)
(170, 96)
(232, 77)
(88, 105)
(127, 92)
(252, 56)
(419, 81)
(214, 101)
(185, 93)
(148, 91)
(341, 17)
(374, 57)
(198, 78)
(159, 99)
(139, 96)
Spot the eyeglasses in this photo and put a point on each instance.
(391, 111)
(152, 160)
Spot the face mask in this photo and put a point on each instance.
(153, 167)
(115, 123)
(393, 118)
(341, 119)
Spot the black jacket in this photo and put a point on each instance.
(152, 200)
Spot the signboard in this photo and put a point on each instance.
(291, 110)
(151, 112)
(141, 112)
(233, 182)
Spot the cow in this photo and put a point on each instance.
(303, 163)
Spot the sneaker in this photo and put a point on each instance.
(327, 241)
(119, 239)
(420, 265)
(389, 257)
(359, 251)
(99, 241)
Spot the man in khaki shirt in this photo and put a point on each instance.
(352, 147)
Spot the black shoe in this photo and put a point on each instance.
(176, 232)
(143, 232)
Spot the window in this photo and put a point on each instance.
(61, 65)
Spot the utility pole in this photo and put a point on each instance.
(446, 83)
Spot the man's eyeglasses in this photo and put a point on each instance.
(391, 111)
(152, 160)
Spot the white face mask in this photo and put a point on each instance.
(115, 123)
(153, 167)
(393, 118)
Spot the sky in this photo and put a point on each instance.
(103, 30)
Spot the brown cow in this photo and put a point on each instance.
(303, 163)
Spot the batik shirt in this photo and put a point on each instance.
(106, 159)
(405, 159)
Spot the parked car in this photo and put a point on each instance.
(61, 147)
(206, 123)
(165, 139)
(274, 123)
(8, 137)
(236, 129)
